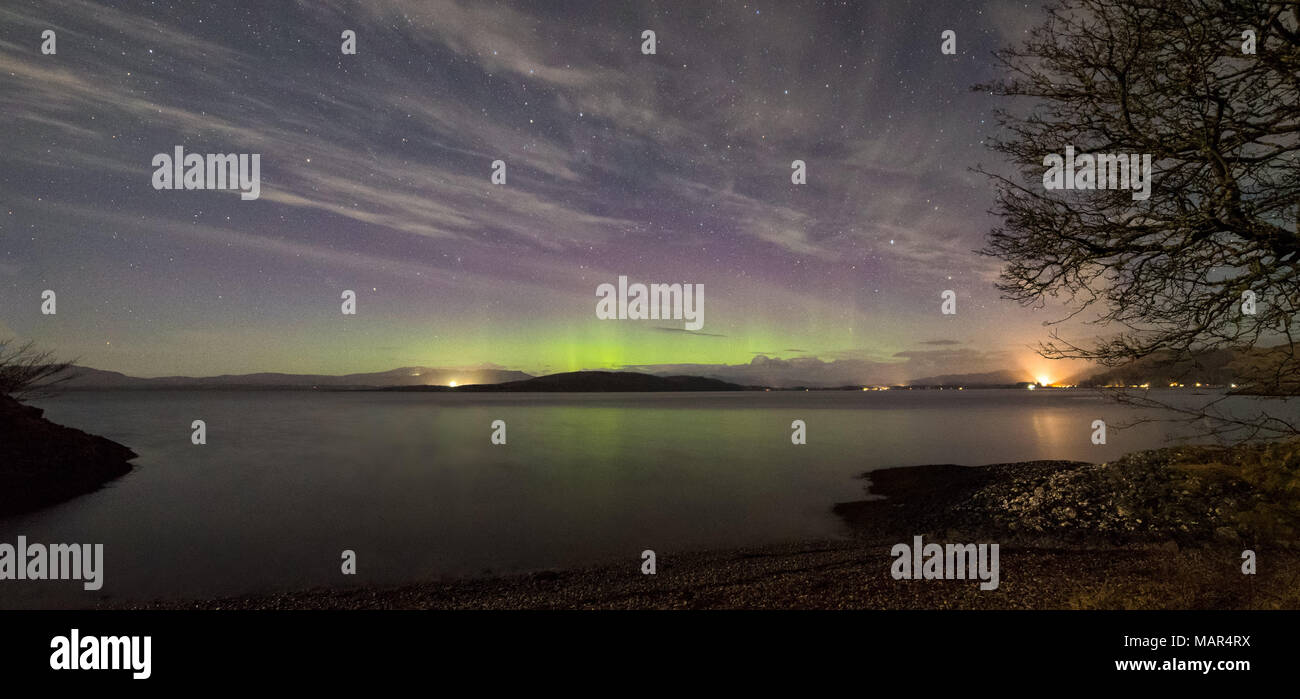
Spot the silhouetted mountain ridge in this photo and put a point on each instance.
(87, 378)
(1219, 367)
(592, 382)
(989, 378)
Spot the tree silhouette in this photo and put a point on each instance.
(1168, 278)
(26, 372)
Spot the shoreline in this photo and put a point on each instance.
(824, 575)
(1090, 559)
(43, 464)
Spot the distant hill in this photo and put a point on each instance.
(1221, 367)
(990, 378)
(87, 378)
(1260, 370)
(592, 382)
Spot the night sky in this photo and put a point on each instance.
(375, 168)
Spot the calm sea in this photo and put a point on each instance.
(413, 484)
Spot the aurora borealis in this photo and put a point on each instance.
(672, 167)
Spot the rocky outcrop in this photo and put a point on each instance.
(1189, 495)
(1184, 496)
(42, 463)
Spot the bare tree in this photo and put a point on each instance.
(26, 372)
(1168, 278)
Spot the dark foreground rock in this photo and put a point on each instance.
(42, 463)
(936, 500)
(1179, 496)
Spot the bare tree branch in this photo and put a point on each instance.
(26, 372)
(1163, 278)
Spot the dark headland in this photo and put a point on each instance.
(590, 382)
(42, 463)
